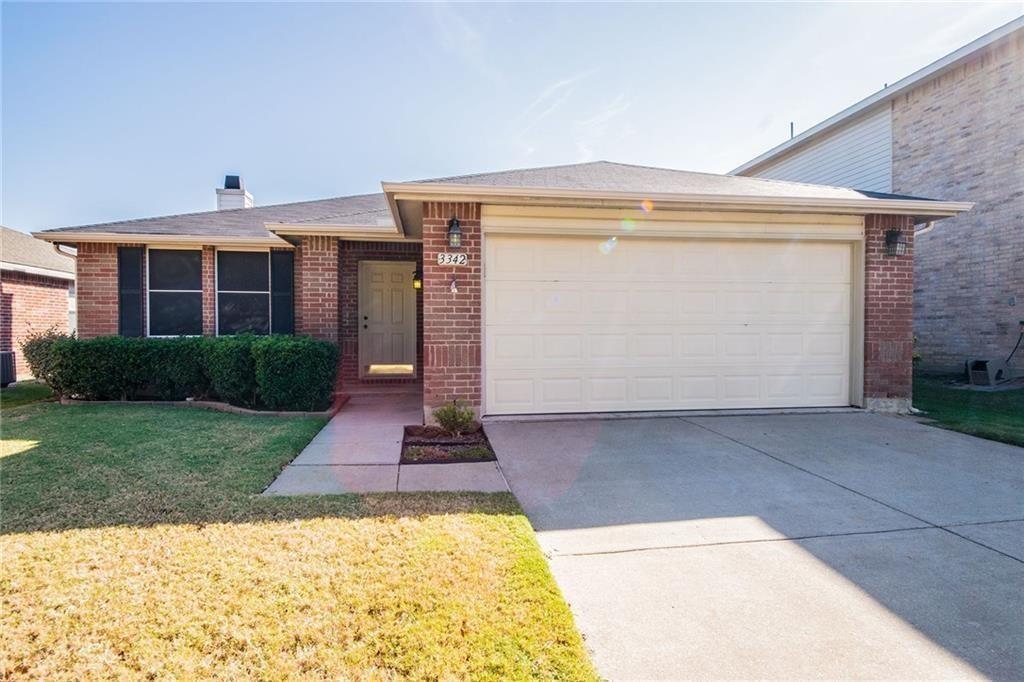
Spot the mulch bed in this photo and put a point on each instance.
(432, 445)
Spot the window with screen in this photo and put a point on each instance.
(243, 292)
(175, 292)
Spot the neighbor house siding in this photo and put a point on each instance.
(960, 137)
(452, 327)
(30, 304)
(857, 155)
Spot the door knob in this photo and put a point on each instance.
(366, 326)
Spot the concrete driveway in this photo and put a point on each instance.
(810, 546)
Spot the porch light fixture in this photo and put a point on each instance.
(454, 233)
(895, 243)
(417, 278)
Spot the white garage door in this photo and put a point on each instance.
(584, 325)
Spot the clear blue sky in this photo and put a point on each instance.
(115, 111)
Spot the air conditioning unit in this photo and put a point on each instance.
(7, 374)
(987, 372)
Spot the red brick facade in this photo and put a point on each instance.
(316, 287)
(30, 304)
(209, 291)
(348, 302)
(96, 276)
(452, 323)
(888, 315)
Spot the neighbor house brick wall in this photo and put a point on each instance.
(451, 320)
(316, 288)
(348, 302)
(30, 304)
(959, 137)
(888, 315)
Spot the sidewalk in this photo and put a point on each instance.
(359, 449)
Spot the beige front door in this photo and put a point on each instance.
(387, 318)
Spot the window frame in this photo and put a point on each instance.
(217, 290)
(150, 290)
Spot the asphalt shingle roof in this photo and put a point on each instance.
(24, 249)
(371, 210)
(621, 177)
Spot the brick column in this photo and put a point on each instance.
(888, 316)
(316, 288)
(96, 289)
(209, 291)
(451, 320)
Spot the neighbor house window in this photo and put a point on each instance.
(175, 292)
(243, 292)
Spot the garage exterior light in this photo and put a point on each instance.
(454, 233)
(895, 243)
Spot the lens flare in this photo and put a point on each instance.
(607, 245)
(646, 205)
(628, 225)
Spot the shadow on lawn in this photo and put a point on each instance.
(75, 467)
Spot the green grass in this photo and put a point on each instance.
(23, 393)
(134, 544)
(997, 415)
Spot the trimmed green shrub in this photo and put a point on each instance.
(178, 368)
(278, 372)
(295, 372)
(232, 372)
(38, 352)
(456, 417)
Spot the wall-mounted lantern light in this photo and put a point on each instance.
(417, 278)
(895, 243)
(454, 233)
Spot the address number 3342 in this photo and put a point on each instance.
(452, 259)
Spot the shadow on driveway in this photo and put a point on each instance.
(788, 546)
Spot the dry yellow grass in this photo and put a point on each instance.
(356, 587)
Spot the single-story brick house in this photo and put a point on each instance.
(37, 292)
(592, 287)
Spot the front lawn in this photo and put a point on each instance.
(23, 393)
(134, 545)
(996, 415)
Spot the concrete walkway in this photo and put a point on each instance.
(358, 451)
(789, 547)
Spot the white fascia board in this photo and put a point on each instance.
(158, 239)
(33, 270)
(852, 205)
(915, 79)
(384, 233)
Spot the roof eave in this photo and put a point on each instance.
(71, 237)
(341, 231)
(37, 270)
(921, 209)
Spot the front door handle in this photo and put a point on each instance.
(366, 326)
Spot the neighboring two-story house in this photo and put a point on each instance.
(953, 129)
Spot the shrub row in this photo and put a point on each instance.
(274, 372)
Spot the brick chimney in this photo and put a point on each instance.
(233, 195)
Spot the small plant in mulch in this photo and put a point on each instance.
(458, 437)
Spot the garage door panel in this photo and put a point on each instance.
(659, 324)
(597, 346)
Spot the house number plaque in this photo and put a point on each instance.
(452, 259)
